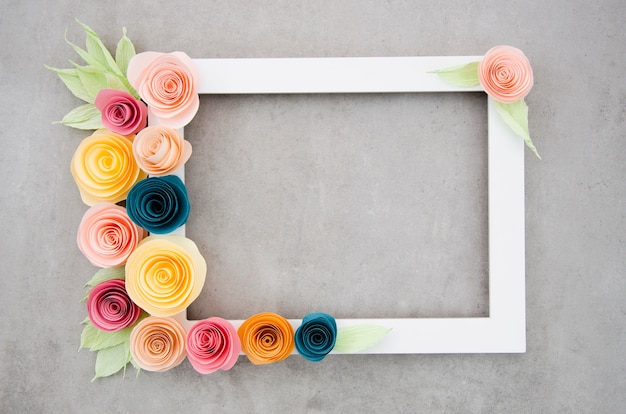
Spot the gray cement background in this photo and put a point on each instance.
(354, 205)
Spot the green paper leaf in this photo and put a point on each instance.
(83, 117)
(71, 79)
(106, 274)
(93, 79)
(111, 360)
(134, 364)
(515, 115)
(462, 75)
(124, 52)
(95, 339)
(99, 54)
(356, 338)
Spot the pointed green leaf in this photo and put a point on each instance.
(462, 75)
(124, 52)
(515, 115)
(114, 82)
(134, 364)
(111, 360)
(71, 79)
(93, 79)
(98, 52)
(356, 338)
(95, 339)
(106, 274)
(83, 117)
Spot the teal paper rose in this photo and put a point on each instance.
(316, 337)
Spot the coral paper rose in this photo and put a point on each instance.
(104, 168)
(121, 112)
(266, 337)
(109, 307)
(107, 236)
(159, 204)
(160, 150)
(212, 344)
(316, 337)
(158, 344)
(168, 83)
(505, 74)
(165, 274)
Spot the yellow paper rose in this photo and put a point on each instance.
(165, 274)
(104, 168)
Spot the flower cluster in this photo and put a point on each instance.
(126, 172)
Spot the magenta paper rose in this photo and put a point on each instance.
(121, 112)
(168, 83)
(212, 344)
(110, 308)
(506, 74)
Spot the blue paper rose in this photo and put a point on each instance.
(316, 337)
(158, 204)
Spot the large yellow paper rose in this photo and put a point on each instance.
(104, 168)
(165, 274)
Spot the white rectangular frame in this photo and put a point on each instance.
(504, 330)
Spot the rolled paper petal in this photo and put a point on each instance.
(266, 338)
(168, 83)
(159, 204)
(110, 308)
(157, 344)
(316, 337)
(107, 236)
(121, 112)
(160, 150)
(165, 274)
(104, 168)
(212, 344)
(505, 74)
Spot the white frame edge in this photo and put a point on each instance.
(504, 330)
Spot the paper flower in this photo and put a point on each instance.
(157, 344)
(107, 236)
(160, 150)
(158, 204)
(121, 112)
(109, 307)
(104, 168)
(168, 83)
(165, 274)
(316, 337)
(505, 74)
(212, 344)
(266, 338)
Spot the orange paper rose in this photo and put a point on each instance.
(107, 236)
(505, 74)
(160, 150)
(158, 344)
(266, 338)
(165, 274)
(104, 168)
(168, 83)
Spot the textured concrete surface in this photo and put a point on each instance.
(355, 205)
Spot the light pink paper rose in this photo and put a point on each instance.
(505, 74)
(160, 150)
(109, 306)
(121, 112)
(168, 83)
(212, 344)
(107, 236)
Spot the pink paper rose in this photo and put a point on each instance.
(168, 83)
(121, 112)
(212, 344)
(107, 236)
(160, 150)
(506, 74)
(109, 307)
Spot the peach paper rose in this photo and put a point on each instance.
(121, 112)
(107, 236)
(160, 150)
(165, 274)
(168, 83)
(104, 168)
(158, 344)
(505, 74)
(266, 337)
